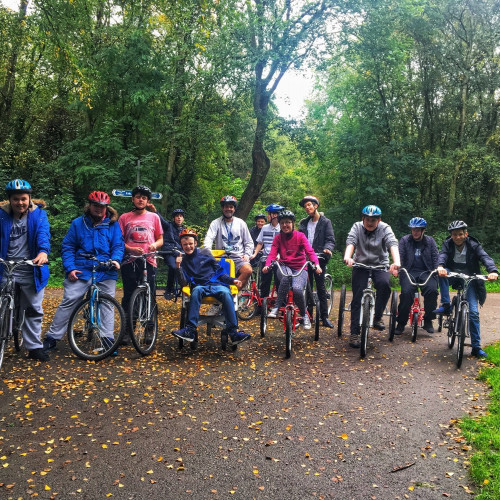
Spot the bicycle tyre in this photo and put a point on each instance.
(414, 326)
(329, 292)
(340, 322)
(144, 327)
(83, 338)
(247, 305)
(440, 323)
(18, 339)
(463, 332)
(452, 319)
(316, 321)
(263, 318)
(309, 298)
(4, 329)
(393, 314)
(288, 332)
(365, 326)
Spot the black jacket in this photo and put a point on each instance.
(170, 234)
(407, 252)
(475, 255)
(324, 237)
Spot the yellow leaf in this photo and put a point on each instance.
(104, 446)
(106, 400)
(344, 436)
(255, 471)
(411, 488)
(149, 471)
(47, 488)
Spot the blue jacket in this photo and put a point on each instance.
(105, 241)
(170, 234)
(38, 238)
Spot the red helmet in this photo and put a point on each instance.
(185, 233)
(99, 197)
(229, 199)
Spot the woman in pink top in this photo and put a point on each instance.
(292, 247)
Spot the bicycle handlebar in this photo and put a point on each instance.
(11, 265)
(359, 264)
(89, 256)
(276, 263)
(408, 275)
(466, 277)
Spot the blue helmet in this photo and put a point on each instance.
(418, 222)
(18, 186)
(274, 207)
(372, 211)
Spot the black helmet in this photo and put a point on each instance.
(286, 214)
(229, 199)
(457, 224)
(143, 190)
(177, 211)
(260, 216)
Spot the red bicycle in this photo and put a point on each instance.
(417, 311)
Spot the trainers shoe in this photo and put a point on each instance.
(354, 341)
(443, 309)
(478, 352)
(107, 343)
(326, 323)
(399, 329)
(214, 310)
(306, 322)
(49, 344)
(378, 324)
(428, 327)
(185, 334)
(273, 313)
(38, 354)
(239, 337)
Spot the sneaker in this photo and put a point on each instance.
(478, 352)
(49, 344)
(273, 313)
(214, 310)
(378, 324)
(326, 323)
(169, 295)
(399, 329)
(239, 337)
(107, 343)
(306, 322)
(428, 327)
(354, 341)
(185, 334)
(443, 309)
(38, 354)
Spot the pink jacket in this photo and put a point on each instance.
(292, 250)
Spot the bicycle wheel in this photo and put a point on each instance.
(288, 332)
(365, 326)
(463, 332)
(86, 333)
(316, 321)
(440, 323)
(4, 329)
(414, 326)
(452, 319)
(329, 292)
(247, 304)
(393, 313)
(340, 322)
(309, 298)
(263, 318)
(144, 320)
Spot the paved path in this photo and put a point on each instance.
(249, 424)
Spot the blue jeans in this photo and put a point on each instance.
(222, 294)
(475, 335)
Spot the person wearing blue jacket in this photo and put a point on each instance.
(96, 232)
(25, 234)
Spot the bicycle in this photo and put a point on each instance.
(417, 311)
(143, 309)
(289, 314)
(367, 312)
(457, 320)
(328, 284)
(249, 299)
(11, 316)
(97, 324)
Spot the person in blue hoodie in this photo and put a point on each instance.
(198, 268)
(25, 234)
(96, 232)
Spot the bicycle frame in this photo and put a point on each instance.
(368, 292)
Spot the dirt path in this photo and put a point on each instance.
(249, 424)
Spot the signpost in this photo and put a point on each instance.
(128, 194)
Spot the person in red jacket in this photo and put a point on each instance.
(293, 248)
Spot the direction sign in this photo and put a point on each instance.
(128, 194)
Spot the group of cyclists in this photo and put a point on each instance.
(25, 234)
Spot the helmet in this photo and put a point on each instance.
(177, 211)
(18, 186)
(274, 208)
(188, 232)
(304, 200)
(417, 222)
(99, 197)
(143, 190)
(229, 199)
(457, 224)
(372, 211)
(260, 216)
(286, 214)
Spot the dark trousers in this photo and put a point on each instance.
(131, 274)
(408, 291)
(320, 288)
(266, 280)
(359, 282)
(170, 262)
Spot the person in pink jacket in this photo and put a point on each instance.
(292, 248)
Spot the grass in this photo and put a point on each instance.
(483, 433)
